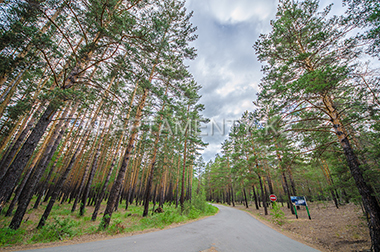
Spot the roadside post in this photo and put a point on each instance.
(295, 210)
(307, 209)
(273, 198)
(299, 201)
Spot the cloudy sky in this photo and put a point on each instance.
(226, 66)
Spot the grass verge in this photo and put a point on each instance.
(64, 225)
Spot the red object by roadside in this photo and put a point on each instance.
(273, 197)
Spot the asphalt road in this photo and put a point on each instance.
(229, 230)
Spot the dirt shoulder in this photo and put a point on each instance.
(330, 229)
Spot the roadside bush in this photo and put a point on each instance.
(278, 216)
(116, 227)
(198, 206)
(194, 213)
(58, 230)
(9, 236)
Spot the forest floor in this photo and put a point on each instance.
(65, 228)
(330, 229)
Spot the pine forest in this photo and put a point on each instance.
(99, 110)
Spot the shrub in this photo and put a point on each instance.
(278, 216)
(116, 227)
(194, 213)
(9, 236)
(58, 230)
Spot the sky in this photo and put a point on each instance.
(226, 66)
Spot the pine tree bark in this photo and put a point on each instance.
(103, 191)
(14, 148)
(255, 196)
(27, 193)
(26, 189)
(232, 197)
(177, 180)
(263, 195)
(92, 174)
(18, 192)
(245, 198)
(182, 199)
(116, 188)
(366, 191)
(51, 149)
(26, 151)
(57, 190)
(133, 178)
(152, 164)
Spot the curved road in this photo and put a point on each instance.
(229, 230)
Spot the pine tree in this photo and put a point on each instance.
(307, 67)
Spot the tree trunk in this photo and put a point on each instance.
(132, 179)
(14, 147)
(152, 164)
(245, 198)
(22, 157)
(286, 188)
(366, 191)
(49, 154)
(59, 185)
(255, 196)
(8, 96)
(83, 180)
(182, 199)
(177, 181)
(103, 191)
(125, 161)
(90, 179)
(263, 195)
(18, 192)
(28, 186)
(233, 197)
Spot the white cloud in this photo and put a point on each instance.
(226, 66)
(231, 12)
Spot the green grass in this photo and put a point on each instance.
(65, 225)
(9, 236)
(59, 229)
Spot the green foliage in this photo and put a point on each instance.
(278, 216)
(116, 227)
(9, 236)
(198, 206)
(193, 209)
(60, 229)
(169, 216)
(101, 225)
(366, 14)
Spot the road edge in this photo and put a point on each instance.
(95, 239)
(288, 234)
